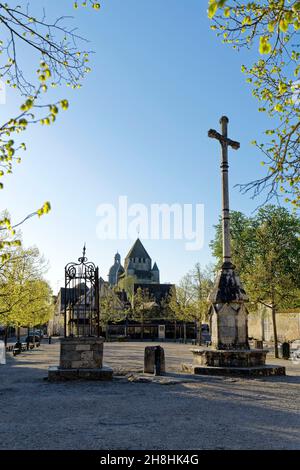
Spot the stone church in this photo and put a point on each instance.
(137, 265)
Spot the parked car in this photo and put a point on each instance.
(39, 333)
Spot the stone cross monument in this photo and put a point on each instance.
(228, 312)
(230, 352)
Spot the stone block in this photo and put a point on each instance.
(68, 347)
(87, 356)
(65, 364)
(70, 355)
(98, 359)
(68, 374)
(82, 347)
(96, 346)
(80, 365)
(81, 353)
(152, 355)
(258, 371)
(56, 374)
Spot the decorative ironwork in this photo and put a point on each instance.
(81, 298)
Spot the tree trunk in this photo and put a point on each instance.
(6, 336)
(142, 331)
(33, 337)
(275, 331)
(184, 332)
(199, 331)
(175, 330)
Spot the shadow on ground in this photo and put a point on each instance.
(196, 413)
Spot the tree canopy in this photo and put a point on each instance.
(188, 300)
(266, 253)
(25, 297)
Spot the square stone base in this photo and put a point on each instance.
(58, 374)
(259, 371)
(229, 358)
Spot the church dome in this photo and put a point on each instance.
(115, 271)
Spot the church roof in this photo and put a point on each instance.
(138, 251)
(158, 292)
(155, 268)
(116, 269)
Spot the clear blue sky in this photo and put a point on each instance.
(138, 127)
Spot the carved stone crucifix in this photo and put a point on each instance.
(225, 143)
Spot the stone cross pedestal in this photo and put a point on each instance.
(228, 313)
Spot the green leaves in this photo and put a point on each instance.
(282, 88)
(95, 5)
(283, 25)
(279, 108)
(264, 45)
(64, 104)
(266, 252)
(212, 8)
(45, 209)
(270, 27)
(25, 298)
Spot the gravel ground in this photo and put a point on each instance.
(185, 413)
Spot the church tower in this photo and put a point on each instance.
(115, 271)
(139, 264)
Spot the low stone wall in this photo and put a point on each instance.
(260, 325)
(81, 353)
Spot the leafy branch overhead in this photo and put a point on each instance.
(272, 28)
(57, 44)
(58, 51)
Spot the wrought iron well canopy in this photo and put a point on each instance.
(81, 298)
